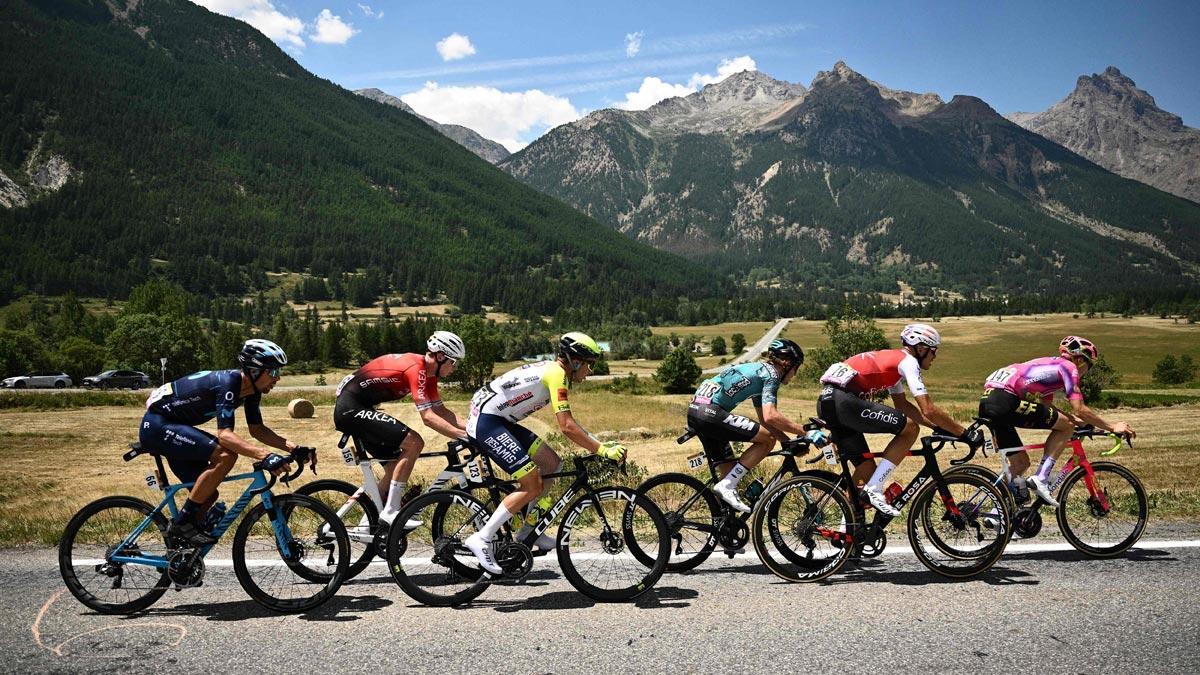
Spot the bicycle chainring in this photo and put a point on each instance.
(185, 569)
(1027, 523)
(873, 547)
(733, 534)
(515, 558)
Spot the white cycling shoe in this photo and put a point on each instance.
(545, 543)
(411, 524)
(1042, 489)
(991, 520)
(880, 502)
(482, 549)
(730, 496)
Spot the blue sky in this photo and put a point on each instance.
(513, 69)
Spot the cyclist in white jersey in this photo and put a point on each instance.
(495, 410)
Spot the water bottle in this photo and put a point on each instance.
(892, 492)
(537, 509)
(754, 490)
(214, 516)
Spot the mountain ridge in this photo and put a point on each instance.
(470, 139)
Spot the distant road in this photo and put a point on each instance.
(755, 349)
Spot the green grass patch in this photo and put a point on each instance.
(70, 399)
(1139, 400)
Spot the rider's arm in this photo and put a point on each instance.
(555, 380)
(578, 435)
(1084, 413)
(226, 411)
(936, 417)
(776, 423)
(265, 435)
(231, 441)
(443, 420)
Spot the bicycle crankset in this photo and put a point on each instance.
(515, 558)
(185, 569)
(872, 547)
(1027, 523)
(733, 535)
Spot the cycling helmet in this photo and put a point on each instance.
(578, 346)
(920, 334)
(261, 355)
(447, 343)
(786, 350)
(1073, 345)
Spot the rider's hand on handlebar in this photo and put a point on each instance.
(1123, 429)
(612, 450)
(276, 464)
(973, 438)
(309, 453)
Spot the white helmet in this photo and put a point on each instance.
(447, 343)
(920, 334)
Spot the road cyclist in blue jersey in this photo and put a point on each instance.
(710, 415)
(174, 410)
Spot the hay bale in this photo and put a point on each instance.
(301, 409)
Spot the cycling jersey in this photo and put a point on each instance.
(391, 377)
(758, 382)
(197, 398)
(1038, 378)
(523, 391)
(870, 372)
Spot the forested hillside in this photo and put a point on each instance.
(157, 138)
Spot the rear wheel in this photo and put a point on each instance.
(802, 529)
(430, 562)
(960, 533)
(358, 514)
(690, 511)
(1108, 522)
(95, 536)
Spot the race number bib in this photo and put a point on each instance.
(706, 392)
(473, 470)
(481, 396)
(341, 384)
(696, 461)
(165, 390)
(839, 374)
(1000, 376)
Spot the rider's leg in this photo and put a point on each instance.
(220, 463)
(893, 454)
(1059, 435)
(529, 486)
(397, 477)
(760, 446)
(548, 462)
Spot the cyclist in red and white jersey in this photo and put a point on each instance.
(846, 406)
(391, 377)
(1022, 395)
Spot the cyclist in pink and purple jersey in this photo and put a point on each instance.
(1022, 395)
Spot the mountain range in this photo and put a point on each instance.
(849, 184)
(468, 138)
(1108, 120)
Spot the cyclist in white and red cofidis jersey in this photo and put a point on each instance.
(846, 406)
(391, 377)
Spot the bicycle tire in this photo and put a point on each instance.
(639, 520)
(990, 476)
(963, 562)
(361, 553)
(302, 515)
(434, 549)
(669, 492)
(823, 502)
(1139, 503)
(157, 580)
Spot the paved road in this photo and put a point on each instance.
(757, 348)
(1041, 608)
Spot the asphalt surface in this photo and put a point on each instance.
(1041, 608)
(755, 349)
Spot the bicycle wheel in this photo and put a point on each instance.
(304, 574)
(358, 514)
(1090, 526)
(802, 529)
(690, 510)
(991, 477)
(91, 540)
(596, 541)
(962, 533)
(430, 563)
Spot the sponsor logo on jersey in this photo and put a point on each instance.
(373, 415)
(378, 380)
(880, 416)
(514, 401)
(562, 393)
(508, 384)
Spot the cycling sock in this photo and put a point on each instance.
(395, 495)
(882, 472)
(1044, 469)
(734, 476)
(188, 511)
(498, 518)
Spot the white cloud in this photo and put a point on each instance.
(454, 47)
(263, 15)
(329, 29)
(633, 43)
(503, 116)
(369, 12)
(653, 89)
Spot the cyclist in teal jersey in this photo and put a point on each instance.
(710, 415)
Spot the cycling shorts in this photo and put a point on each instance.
(1008, 411)
(373, 430)
(850, 417)
(717, 427)
(186, 448)
(509, 444)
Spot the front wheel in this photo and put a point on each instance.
(99, 533)
(430, 562)
(292, 557)
(1108, 516)
(358, 514)
(803, 529)
(690, 511)
(598, 536)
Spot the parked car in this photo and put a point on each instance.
(118, 379)
(43, 379)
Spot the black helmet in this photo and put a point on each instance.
(261, 355)
(786, 350)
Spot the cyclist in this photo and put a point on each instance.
(391, 377)
(175, 409)
(710, 415)
(498, 406)
(1022, 395)
(846, 406)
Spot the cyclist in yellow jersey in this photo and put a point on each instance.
(495, 410)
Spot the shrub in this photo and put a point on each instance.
(1171, 370)
(1101, 376)
(717, 346)
(678, 372)
(849, 333)
(737, 342)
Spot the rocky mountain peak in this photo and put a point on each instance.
(749, 85)
(840, 74)
(385, 98)
(468, 138)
